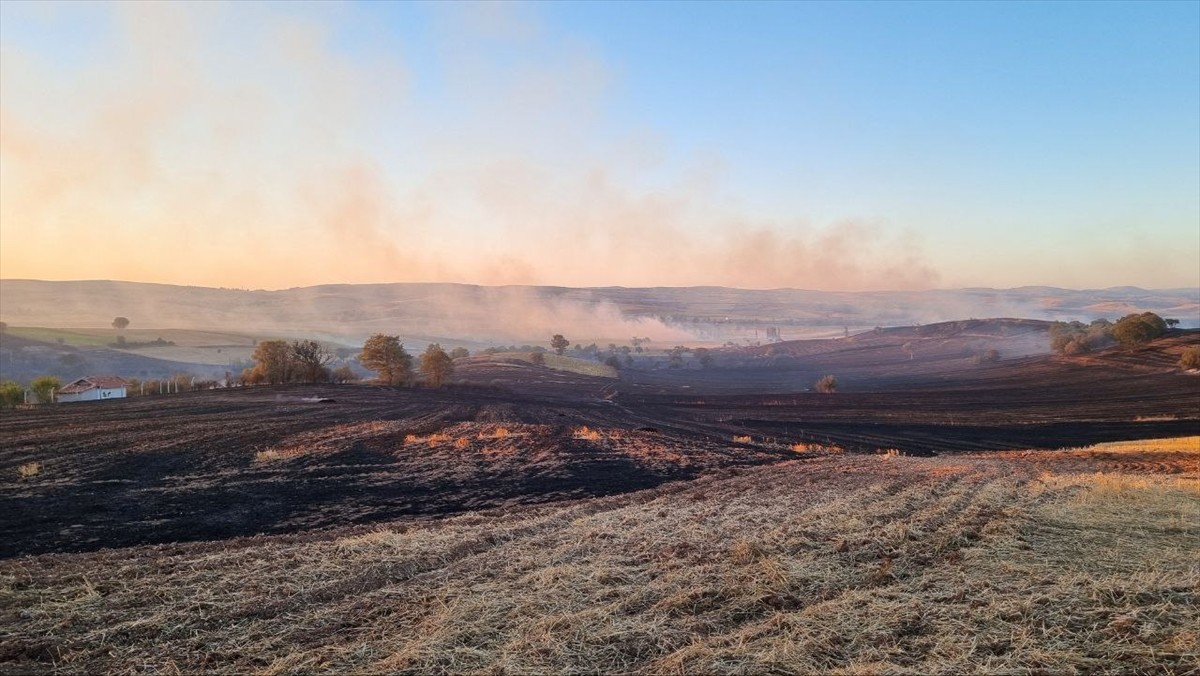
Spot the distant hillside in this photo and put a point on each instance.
(22, 359)
(427, 312)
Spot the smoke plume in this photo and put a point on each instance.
(241, 145)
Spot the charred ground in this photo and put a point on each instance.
(227, 463)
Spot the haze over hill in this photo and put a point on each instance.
(518, 313)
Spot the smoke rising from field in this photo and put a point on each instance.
(235, 145)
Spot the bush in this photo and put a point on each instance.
(44, 387)
(1190, 359)
(343, 374)
(1078, 338)
(827, 384)
(11, 394)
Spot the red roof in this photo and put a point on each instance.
(94, 382)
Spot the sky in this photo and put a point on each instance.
(834, 146)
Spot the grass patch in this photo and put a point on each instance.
(586, 433)
(497, 433)
(74, 337)
(817, 448)
(1176, 444)
(29, 470)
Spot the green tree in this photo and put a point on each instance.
(11, 394)
(44, 388)
(436, 365)
(705, 357)
(1135, 330)
(273, 362)
(120, 323)
(310, 361)
(537, 359)
(559, 343)
(460, 353)
(386, 356)
(827, 384)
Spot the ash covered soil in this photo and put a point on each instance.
(227, 463)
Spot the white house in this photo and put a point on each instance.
(93, 388)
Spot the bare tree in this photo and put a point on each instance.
(310, 361)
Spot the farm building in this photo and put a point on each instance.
(93, 388)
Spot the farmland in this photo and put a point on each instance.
(816, 563)
(1039, 513)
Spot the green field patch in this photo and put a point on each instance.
(75, 337)
(103, 337)
(562, 363)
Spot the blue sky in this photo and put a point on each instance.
(823, 145)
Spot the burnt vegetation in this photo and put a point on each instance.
(727, 511)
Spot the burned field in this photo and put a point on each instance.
(215, 465)
(1037, 514)
(227, 463)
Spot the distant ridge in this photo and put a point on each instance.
(528, 312)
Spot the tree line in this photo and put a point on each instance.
(1130, 331)
(386, 356)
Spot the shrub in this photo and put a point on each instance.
(1190, 359)
(44, 388)
(343, 374)
(1070, 338)
(827, 384)
(30, 470)
(11, 394)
